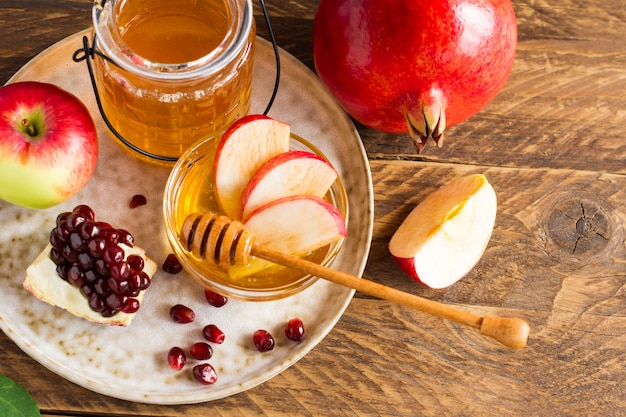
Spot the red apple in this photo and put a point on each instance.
(414, 66)
(48, 144)
(444, 237)
(287, 174)
(244, 147)
(294, 225)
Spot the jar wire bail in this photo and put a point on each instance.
(89, 51)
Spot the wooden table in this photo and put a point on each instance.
(553, 143)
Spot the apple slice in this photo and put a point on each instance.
(294, 225)
(287, 174)
(442, 239)
(244, 147)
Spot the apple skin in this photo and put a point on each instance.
(289, 173)
(444, 236)
(244, 147)
(414, 66)
(47, 165)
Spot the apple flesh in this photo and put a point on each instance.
(244, 147)
(444, 237)
(294, 225)
(48, 144)
(287, 174)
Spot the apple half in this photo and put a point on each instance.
(244, 147)
(444, 237)
(287, 174)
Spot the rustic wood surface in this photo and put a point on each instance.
(553, 143)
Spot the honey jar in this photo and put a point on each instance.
(171, 72)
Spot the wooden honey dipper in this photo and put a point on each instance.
(228, 242)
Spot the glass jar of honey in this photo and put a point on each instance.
(171, 72)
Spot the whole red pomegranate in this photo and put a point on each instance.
(414, 66)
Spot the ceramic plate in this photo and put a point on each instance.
(130, 363)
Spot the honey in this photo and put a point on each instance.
(190, 189)
(175, 72)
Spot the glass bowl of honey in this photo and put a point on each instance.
(190, 189)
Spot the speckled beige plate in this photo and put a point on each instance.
(130, 363)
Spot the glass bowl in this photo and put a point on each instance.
(189, 189)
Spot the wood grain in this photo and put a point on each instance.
(551, 143)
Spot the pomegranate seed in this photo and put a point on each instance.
(116, 301)
(96, 303)
(213, 334)
(215, 299)
(88, 230)
(63, 231)
(294, 329)
(74, 220)
(172, 264)
(205, 373)
(61, 217)
(102, 287)
(263, 340)
(201, 351)
(120, 271)
(85, 261)
(112, 255)
(75, 276)
(126, 238)
(111, 236)
(69, 254)
(109, 312)
(85, 211)
(176, 358)
(95, 247)
(144, 280)
(132, 306)
(137, 200)
(136, 262)
(55, 240)
(118, 287)
(182, 314)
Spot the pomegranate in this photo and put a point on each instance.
(415, 66)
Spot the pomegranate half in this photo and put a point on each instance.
(414, 66)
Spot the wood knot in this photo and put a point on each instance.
(581, 227)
